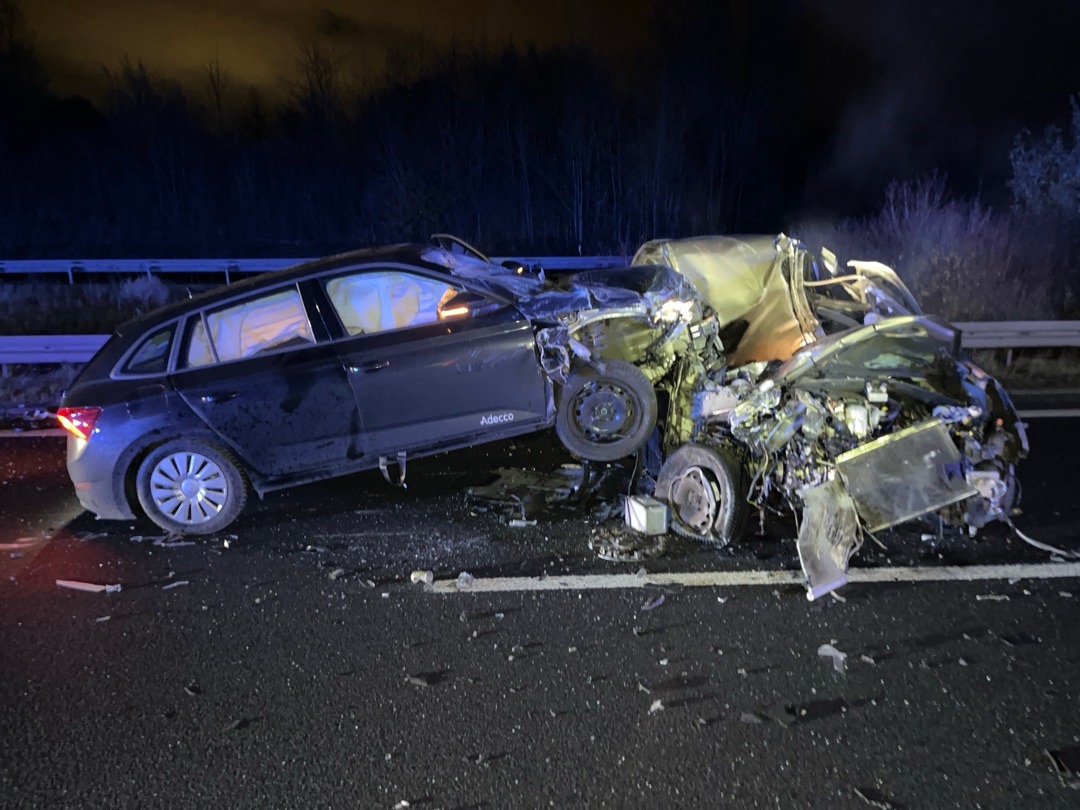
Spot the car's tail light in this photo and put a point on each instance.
(79, 422)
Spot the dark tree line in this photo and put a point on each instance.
(517, 150)
(718, 128)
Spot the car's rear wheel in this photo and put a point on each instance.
(706, 491)
(606, 415)
(187, 486)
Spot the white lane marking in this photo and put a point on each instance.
(699, 579)
(1049, 413)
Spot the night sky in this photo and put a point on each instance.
(256, 40)
(899, 87)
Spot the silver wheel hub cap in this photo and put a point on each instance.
(696, 500)
(188, 488)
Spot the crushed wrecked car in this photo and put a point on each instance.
(365, 360)
(827, 393)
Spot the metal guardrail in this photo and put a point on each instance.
(45, 349)
(76, 268)
(1019, 334)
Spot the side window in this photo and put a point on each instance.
(267, 323)
(152, 357)
(386, 299)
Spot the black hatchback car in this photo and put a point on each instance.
(357, 361)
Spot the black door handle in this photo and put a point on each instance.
(221, 396)
(373, 365)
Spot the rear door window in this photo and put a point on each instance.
(265, 324)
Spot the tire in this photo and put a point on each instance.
(187, 486)
(705, 488)
(608, 415)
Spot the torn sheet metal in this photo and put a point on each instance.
(904, 475)
(860, 413)
(828, 535)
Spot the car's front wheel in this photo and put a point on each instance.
(187, 486)
(606, 415)
(706, 490)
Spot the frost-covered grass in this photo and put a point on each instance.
(962, 259)
(36, 385)
(47, 308)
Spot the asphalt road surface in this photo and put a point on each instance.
(292, 663)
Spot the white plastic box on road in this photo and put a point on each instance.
(645, 514)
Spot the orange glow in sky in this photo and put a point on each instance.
(257, 42)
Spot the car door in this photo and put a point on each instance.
(256, 373)
(422, 381)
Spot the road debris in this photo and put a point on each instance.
(784, 715)
(655, 603)
(337, 573)
(425, 577)
(102, 618)
(838, 658)
(751, 718)
(177, 584)
(645, 515)
(1066, 763)
(88, 587)
(519, 523)
(192, 690)
(236, 725)
(622, 546)
(873, 798)
(657, 706)
(464, 581)
(991, 597)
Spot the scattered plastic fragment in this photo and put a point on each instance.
(420, 680)
(643, 688)
(176, 584)
(518, 523)
(337, 573)
(781, 714)
(657, 706)
(193, 690)
(866, 659)
(464, 581)
(837, 596)
(16, 554)
(102, 618)
(838, 658)
(402, 805)
(425, 577)
(1065, 594)
(1066, 761)
(751, 718)
(89, 587)
(872, 798)
(991, 597)
(175, 544)
(655, 603)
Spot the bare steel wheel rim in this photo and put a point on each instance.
(603, 412)
(696, 500)
(189, 488)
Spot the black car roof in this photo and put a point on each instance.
(414, 254)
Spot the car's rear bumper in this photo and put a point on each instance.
(93, 472)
